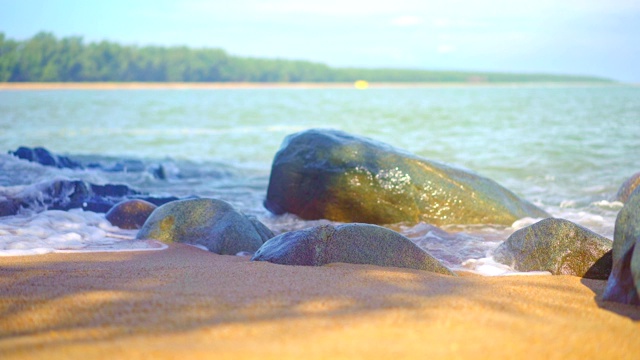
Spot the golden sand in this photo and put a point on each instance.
(186, 303)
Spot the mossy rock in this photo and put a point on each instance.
(347, 243)
(333, 175)
(130, 214)
(624, 282)
(558, 246)
(211, 223)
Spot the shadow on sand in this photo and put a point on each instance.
(90, 298)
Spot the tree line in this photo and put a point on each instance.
(45, 58)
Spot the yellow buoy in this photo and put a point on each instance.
(361, 84)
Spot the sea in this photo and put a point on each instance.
(566, 148)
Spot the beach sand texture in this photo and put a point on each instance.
(187, 303)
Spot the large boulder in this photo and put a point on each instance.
(211, 223)
(347, 243)
(558, 246)
(624, 282)
(130, 214)
(334, 175)
(628, 187)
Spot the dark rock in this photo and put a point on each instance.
(73, 194)
(348, 243)
(624, 282)
(211, 223)
(113, 190)
(159, 172)
(333, 175)
(158, 201)
(628, 187)
(8, 206)
(130, 214)
(123, 165)
(558, 246)
(45, 157)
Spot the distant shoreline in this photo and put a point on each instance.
(277, 85)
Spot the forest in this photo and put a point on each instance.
(46, 58)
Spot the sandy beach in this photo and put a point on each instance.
(187, 303)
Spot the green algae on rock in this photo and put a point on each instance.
(337, 176)
(211, 223)
(624, 282)
(558, 246)
(347, 243)
(130, 214)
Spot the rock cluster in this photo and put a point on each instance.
(73, 194)
(328, 174)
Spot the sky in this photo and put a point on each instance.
(579, 37)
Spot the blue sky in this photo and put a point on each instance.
(591, 37)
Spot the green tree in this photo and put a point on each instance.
(8, 58)
(45, 58)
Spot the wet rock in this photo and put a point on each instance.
(558, 246)
(624, 282)
(72, 194)
(348, 243)
(45, 157)
(211, 223)
(334, 175)
(130, 214)
(628, 187)
(8, 206)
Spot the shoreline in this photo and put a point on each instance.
(188, 303)
(26, 86)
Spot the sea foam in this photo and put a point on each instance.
(66, 231)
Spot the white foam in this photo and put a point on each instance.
(524, 222)
(614, 205)
(489, 267)
(66, 231)
(201, 247)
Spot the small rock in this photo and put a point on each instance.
(130, 214)
(628, 187)
(558, 246)
(211, 223)
(347, 243)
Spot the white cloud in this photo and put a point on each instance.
(446, 22)
(408, 20)
(445, 49)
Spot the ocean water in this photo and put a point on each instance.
(564, 148)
